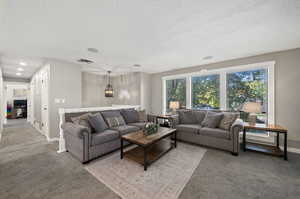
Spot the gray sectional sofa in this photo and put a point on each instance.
(92, 134)
(209, 128)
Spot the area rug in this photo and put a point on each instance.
(164, 179)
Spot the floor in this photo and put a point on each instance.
(31, 168)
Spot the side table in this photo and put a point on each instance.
(274, 150)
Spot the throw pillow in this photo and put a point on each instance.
(212, 119)
(115, 121)
(130, 115)
(83, 121)
(111, 113)
(142, 116)
(199, 115)
(186, 117)
(97, 122)
(227, 120)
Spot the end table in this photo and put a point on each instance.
(274, 150)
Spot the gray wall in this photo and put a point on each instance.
(129, 89)
(1, 102)
(146, 91)
(287, 86)
(65, 83)
(93, 90)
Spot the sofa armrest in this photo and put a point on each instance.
(235, 130)
(78, 140)
(75, 129)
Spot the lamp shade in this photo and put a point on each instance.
(174, 105)
(252, 107)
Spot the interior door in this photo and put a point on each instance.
(45, 102)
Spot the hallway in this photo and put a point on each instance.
(18, 133)
(31, 168)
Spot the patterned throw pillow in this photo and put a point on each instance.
(83, 121)
(115, 121)
(142, 116)
(227, 120)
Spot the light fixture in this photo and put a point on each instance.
(109, 91)
(252, 108)
(23, 63)
(20, 69)
(174, 105)
(18, 74)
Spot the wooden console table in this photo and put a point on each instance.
(274, 150)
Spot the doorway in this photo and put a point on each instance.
(15, 103)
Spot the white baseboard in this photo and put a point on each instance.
(61, 151)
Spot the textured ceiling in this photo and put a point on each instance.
(159, 35)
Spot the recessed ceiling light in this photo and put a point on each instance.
(19, 74)
(20, 69)
(93, 50)
(23, 63)
(137, 65)
(207, 57)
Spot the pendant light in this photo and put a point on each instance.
(109, 91)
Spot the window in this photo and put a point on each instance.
(206, 92)
(175, 91)
(225, 89)
(248, 86)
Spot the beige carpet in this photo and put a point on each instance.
(164, 179)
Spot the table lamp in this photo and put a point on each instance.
(252, 108)
(174, 105)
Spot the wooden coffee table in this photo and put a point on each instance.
(150, 148)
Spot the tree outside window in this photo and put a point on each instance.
(206, 92)
(248, 86)
(176, 91)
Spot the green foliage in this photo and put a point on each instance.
(241, 87)
(176, 91)
(246, 86)
(206, 91)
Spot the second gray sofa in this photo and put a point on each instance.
(209, 128)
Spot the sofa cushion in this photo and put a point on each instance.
(130, 115)
(115, 121)
(199, 115)
(125, 129)
(83, 121)
(97, 122)
(212, 119)
(186, 117)
(214, 132)
(190, 128)
(104, 136)
(140, 125)
(227, 120)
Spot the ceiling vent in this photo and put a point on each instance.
(86, 61)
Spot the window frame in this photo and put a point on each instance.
(269, 66)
